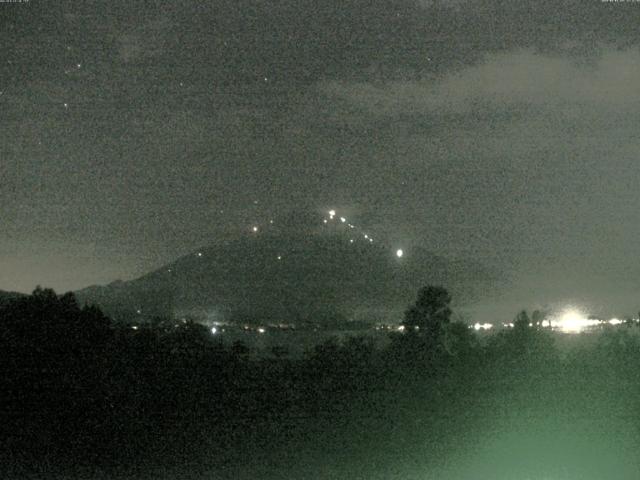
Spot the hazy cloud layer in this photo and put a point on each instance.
(502, 131)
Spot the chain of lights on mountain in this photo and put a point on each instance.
(332, 217)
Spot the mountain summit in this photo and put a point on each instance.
(303, 268)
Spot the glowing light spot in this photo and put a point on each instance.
(261, 330)
(214, 330)
(615, 321)
(351, 240)
(199, 254)
(399, 253)
(401, 328)
(482, 326)
(325, 220)
(255, 229)
(572, 321)
(366, 236)
(135, 327)
(332, 213)
(279, 257)
(343, 220)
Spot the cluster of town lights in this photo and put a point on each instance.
(568, 321)
(573, 321)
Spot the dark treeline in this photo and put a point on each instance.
(82, 398)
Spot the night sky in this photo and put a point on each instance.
(499, 131)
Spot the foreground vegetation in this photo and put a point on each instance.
(85, 399)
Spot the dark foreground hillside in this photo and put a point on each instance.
(83, 399)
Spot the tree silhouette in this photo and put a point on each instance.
(522, 321)
(539, 317)
(523, 345)
(430, 313)
(460, 341)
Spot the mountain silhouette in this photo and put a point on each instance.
(298, 269)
